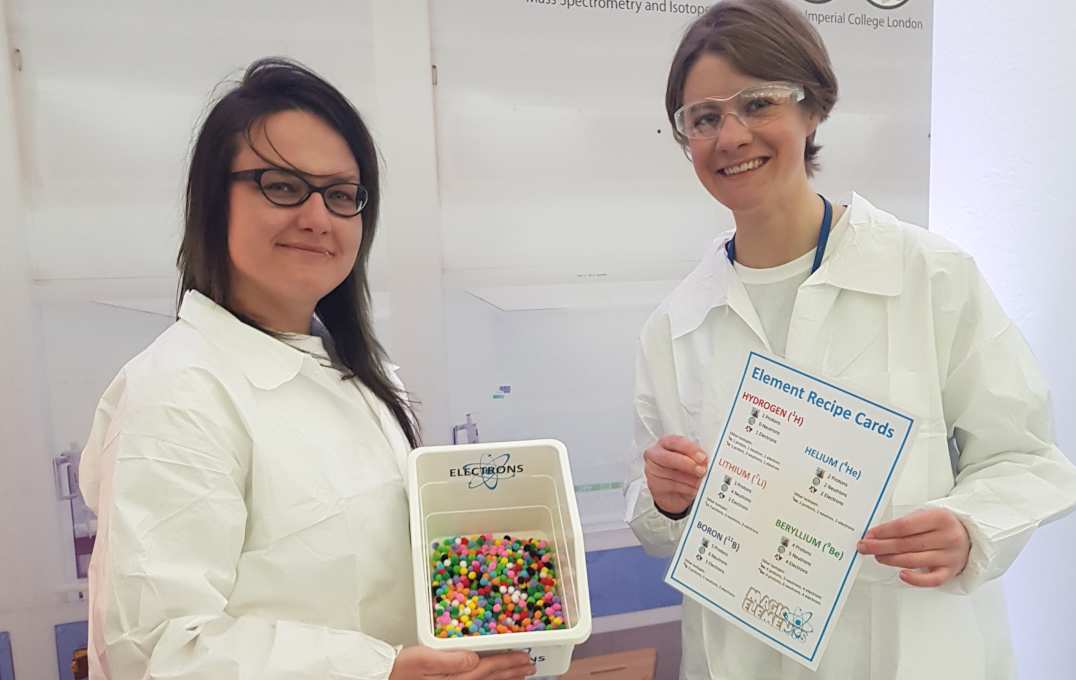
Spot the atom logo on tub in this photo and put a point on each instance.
(488, 471)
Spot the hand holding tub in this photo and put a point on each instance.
(423, 663)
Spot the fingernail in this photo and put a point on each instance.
(700, 458)
(699, 470)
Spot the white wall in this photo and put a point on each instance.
(556, 155)
(31, 569)
(1003, 171)
(411, 206)
(570, 373)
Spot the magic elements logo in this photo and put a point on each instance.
(796, 624)
(488, 471)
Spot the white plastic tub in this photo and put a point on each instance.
(520, 488)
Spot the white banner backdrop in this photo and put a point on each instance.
(568, 211)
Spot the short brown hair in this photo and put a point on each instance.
(767, 39)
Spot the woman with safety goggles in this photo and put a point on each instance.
(851, 293)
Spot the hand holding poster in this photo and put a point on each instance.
(800, 471)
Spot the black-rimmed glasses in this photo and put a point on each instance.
(287, 189)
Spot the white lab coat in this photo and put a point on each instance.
(901, 315)
(252, 514)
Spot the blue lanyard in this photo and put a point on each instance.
(820, 249)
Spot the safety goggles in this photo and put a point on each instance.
(753, 106)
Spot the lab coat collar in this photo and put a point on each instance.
(267, 362)
(869, 257)
(705, 288)
(864, 255)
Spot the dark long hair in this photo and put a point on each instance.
(270, 86)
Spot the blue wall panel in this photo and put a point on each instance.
(628, 580)
(7, 663)
(69, 637)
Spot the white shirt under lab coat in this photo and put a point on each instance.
(252, 514)
(901, 315)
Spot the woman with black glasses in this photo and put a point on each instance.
(247, 467)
